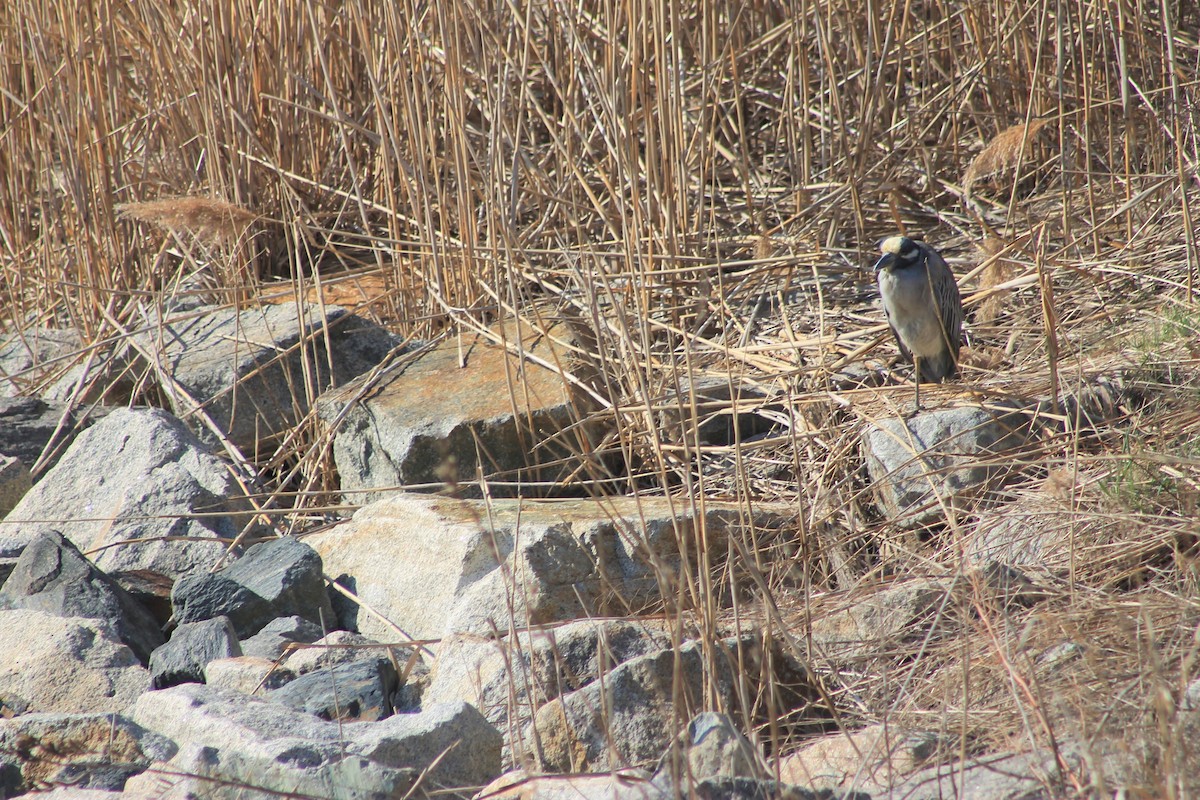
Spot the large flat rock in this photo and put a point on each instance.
(428, 422)
(431, 565)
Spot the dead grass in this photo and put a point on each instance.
(699, 187)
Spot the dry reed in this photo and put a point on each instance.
(699, 186)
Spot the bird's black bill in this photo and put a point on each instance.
(884, 262)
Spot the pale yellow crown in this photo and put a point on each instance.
(892, 245)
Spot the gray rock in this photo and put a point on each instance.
(206, 595)
(303, 747)
(29, 425)
(69, 664)
(626, 784)
(340, 647)
(192, 646)
(28, 356)
(628, 718)
(247, 674)
(14, 483)
(742, 788)
(345, 647)
(427, 422)
(84, 751)
(711, 746)
(276, 578)
(272, 641)
(508, 679)
(138, 490)
(254, 370)
(53, 576)
(294, 771)
(360, 690)
(562, 560)
(940, 461)
(468, 746)
(880, 622)
(1001, 775)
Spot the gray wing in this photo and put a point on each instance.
(949, 301)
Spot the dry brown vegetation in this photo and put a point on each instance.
(700, 185)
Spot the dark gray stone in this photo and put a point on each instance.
(53, 576)
(15, 481)
(360, 690)
(195, 598)
(276, 635)
(288, 574)
(139, 491)
(192, 645)
(28, 425)
(249, 368)
(277, 578)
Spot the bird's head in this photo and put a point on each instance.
(898, 252)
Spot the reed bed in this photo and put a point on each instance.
(699, 185)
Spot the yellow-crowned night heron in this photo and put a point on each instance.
(923, 307)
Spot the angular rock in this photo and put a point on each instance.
(360, 690)
(68, 664)
(14, 483)
(272, 641)
(712, 746)
(192, 646)
(626, 784)
(247, 674)
(938, 461)
(740, 788)
(341, 647)
(300, 771)
(138, 491)
(562, 560)
(28, 356)
(427, 422)
(242, 733)
(254, 370)
(53, 576)
(84, 751)
(468, 746)
(276, 578)
(630, 716)
(507, 681)
(29, 425)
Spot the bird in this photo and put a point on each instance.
(923, 307)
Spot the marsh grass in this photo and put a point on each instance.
(698, 186)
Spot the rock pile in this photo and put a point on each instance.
(157, 641)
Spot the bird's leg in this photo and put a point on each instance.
(916, 383)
